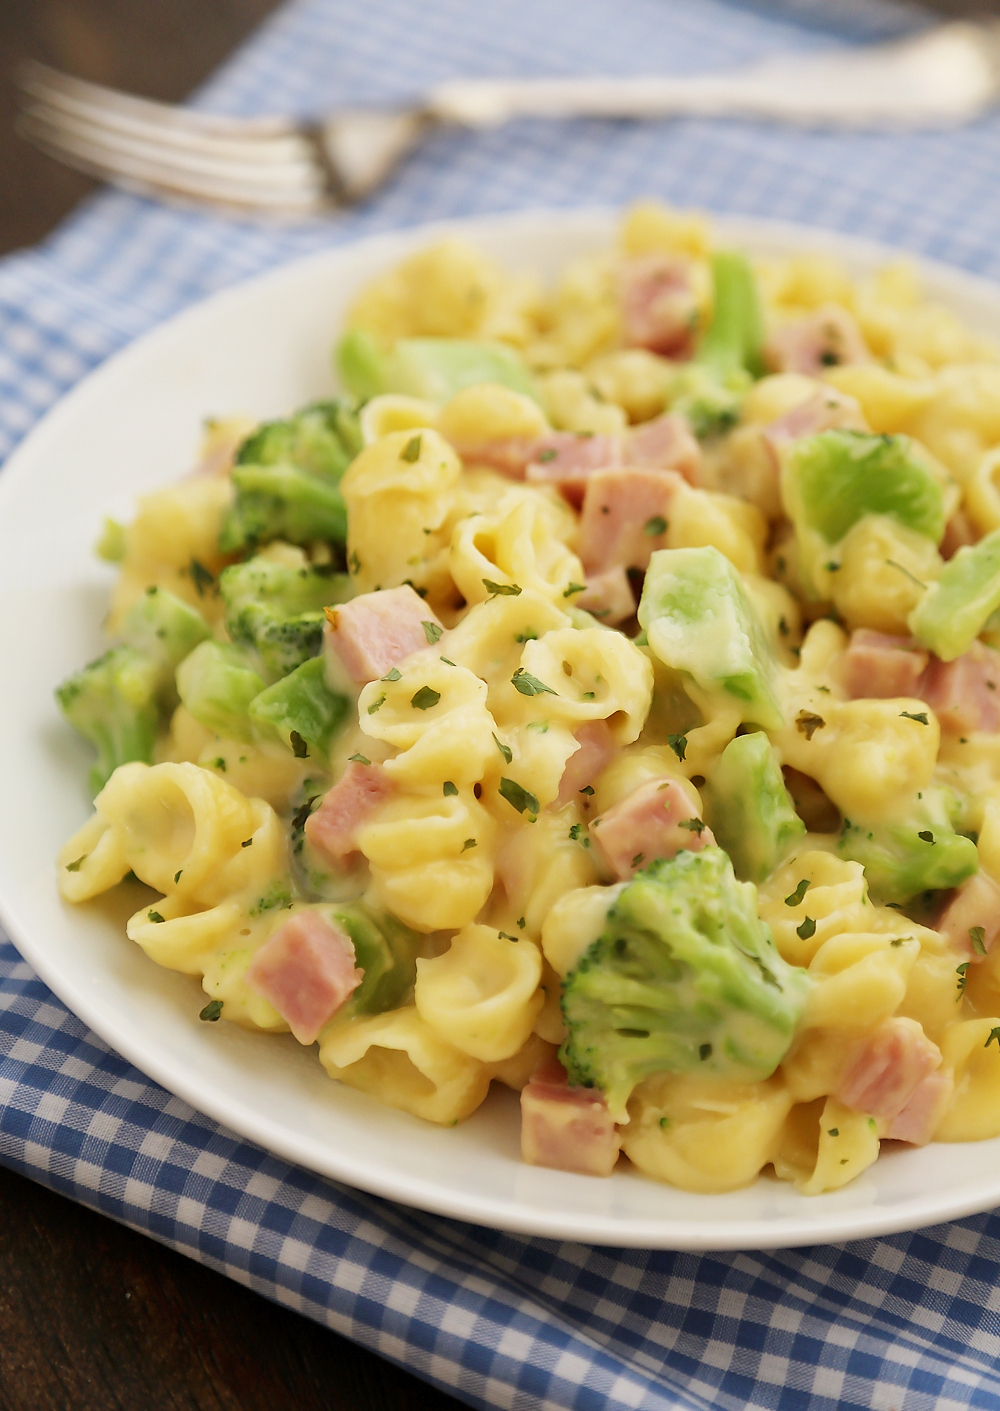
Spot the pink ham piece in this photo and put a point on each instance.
(597, 750)
(307, 971)
(886, 1070)
(965, 693)
(374, 632)
(976, 903)
(647, 824)
(509, 456)
(625, 516)
(658, 305)
(609, 597)
(567, 460)
(567, 1128)
(357, 794)
(925, 1106)
(826, 410)
(830, 337)
(877, 665)
(665, 443)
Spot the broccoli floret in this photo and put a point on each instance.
(164, 627)
(277, 610)
(699, 620)
(282, 502)
(684, 978)
(216, 683)
(953, 612)
(300, 710)
(431, 368)
(921, 854)
(115, 703)
(286, 477)
(831, 480)
(709, 390)
(386, 951)
(749, 809)
(322, 438)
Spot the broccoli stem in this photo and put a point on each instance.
(114, 703)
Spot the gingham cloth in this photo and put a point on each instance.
(908, 1322)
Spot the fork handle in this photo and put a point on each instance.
(488, 102)
(939, 75)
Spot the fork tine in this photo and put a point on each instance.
(150, 173)
(237, 144)
(40, 80)
(293, 168)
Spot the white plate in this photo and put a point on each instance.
(264, 348)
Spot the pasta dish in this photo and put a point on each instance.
(600, 696)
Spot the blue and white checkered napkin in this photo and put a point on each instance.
(908, 1322)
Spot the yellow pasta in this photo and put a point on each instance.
(789, 909)
(702, 1135)
(399, 1059)
(522, 545)
(482, 995)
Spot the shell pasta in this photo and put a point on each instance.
(599, 696)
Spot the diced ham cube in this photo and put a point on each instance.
(826, 410)
(877, 665)
(885, 1072)
(965, 693)
(625, 517)
(597, 749)
(658, 305)
(374, 632)
(665, 443)
(830, 337)
(653, 821)
(359, 791)
(567, 1128)
(918, 1120)
(608, 596)
(976, 903)
(307, 971)
(567, 460)
(510, 455)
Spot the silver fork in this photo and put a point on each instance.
(292, 170)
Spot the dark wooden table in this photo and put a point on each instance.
(93, 1316)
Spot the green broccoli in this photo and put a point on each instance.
(300, 710)
(831, 480)
(953, 612)
(216, 683)
(431, 368)
(323, 438)
(277, 610)
(709, 389)
(699, 620)
(749, 809)
(684, 978)
(386, 951)
(281, 502)
(286, 477)
(115, 703)
(922, 854)
(164, 627)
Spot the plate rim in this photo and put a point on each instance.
(516, 1216)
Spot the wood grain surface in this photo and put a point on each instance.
(94, 1317)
